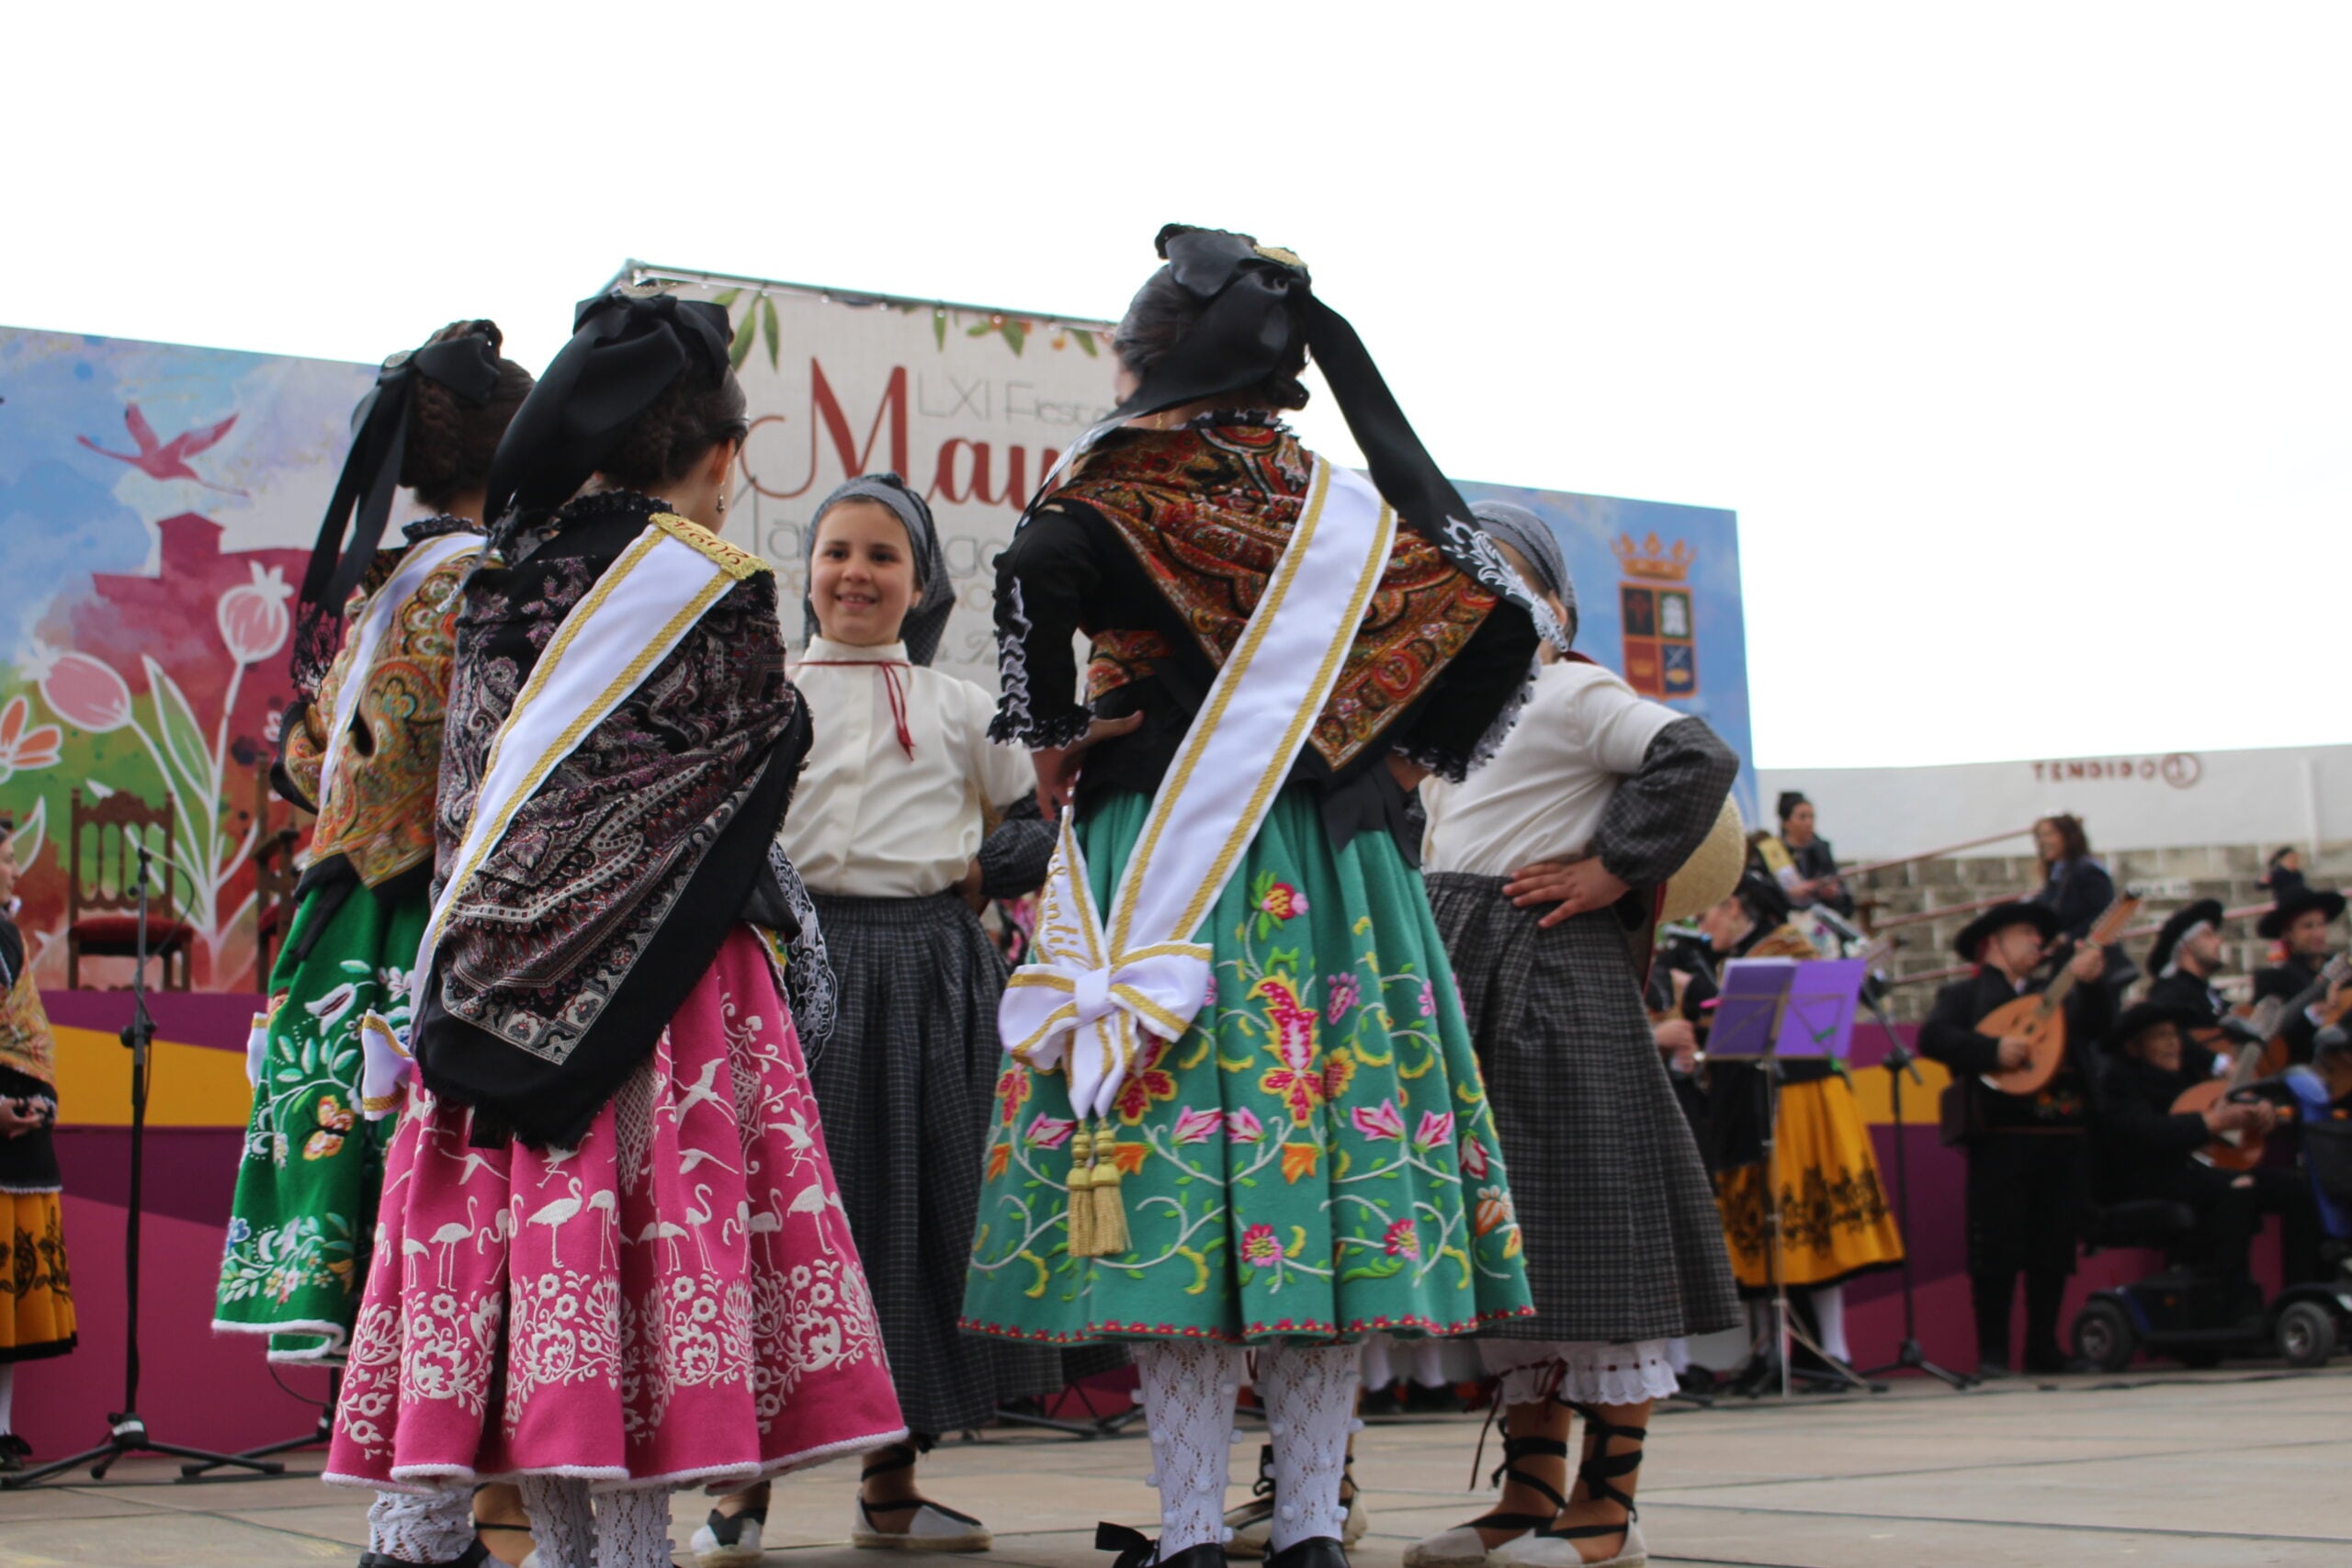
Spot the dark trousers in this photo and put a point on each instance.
(2230, 1208)
(2025, 1202)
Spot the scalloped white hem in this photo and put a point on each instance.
(1590, 1371)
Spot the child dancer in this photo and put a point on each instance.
(611, 1256)
(37, 1320)
(887, 828)
(1543, 869)
(361, 747)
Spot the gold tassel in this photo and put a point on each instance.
(1110, 1208)
(1081, 1193)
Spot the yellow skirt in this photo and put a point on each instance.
(1835, 1223)
(36, 1284)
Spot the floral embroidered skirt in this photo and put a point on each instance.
(37, 1315)
(676, 1300)
(1314, 1159)
(299, 1227)
(1835, 1222)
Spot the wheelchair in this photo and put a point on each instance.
(2194, 1317)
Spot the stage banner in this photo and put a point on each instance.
(1658, 601)
(970, 406)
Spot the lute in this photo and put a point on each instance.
(2041, 1021)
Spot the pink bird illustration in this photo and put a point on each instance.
(167, 459)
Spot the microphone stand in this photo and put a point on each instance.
(1901, 1059)
(126, 1428)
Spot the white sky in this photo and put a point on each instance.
(2020, 336)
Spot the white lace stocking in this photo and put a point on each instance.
(633, 1529)
(1188, 1392)
(1310, 1398)
(1829, 1317)
(561, 1526)
(436, 1528)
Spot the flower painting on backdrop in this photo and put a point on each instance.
(156, 504)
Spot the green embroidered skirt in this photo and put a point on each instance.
(1314, 1159)
(301, 1227)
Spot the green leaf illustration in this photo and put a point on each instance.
(1085, 340)
(739, 349)
(773, 333)
(938, 329)
(1016, 333)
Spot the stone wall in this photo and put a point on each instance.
(2167, 878)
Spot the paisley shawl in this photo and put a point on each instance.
(1207, 511)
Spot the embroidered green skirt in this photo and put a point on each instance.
(301, 1225)
(1313, 1159)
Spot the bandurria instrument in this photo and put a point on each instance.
(2041, 1021)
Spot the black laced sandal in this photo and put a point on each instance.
(473, 1556)
(1554, 1546)
(1137, 1549)
(930, 1526)
(1461, 1545)
(732, 1541)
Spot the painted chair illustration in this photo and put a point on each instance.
(102, 896)
(274, 876)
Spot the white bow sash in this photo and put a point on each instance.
(1092, 992)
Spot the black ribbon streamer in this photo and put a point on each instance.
(467, 366)
(625, 350)
(1258, 307)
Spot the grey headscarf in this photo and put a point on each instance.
(926, 620)
(1529, 535)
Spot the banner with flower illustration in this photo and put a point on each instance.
(156, 504)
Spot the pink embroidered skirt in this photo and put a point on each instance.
(677, 1299)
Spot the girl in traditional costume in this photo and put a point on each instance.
(37, 1314)
(361, 747)
(1835, 1223)
(888, 830)
(611, 1255)
(1544, 870)
(1242, 1110)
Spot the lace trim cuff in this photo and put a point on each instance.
(1022, 730)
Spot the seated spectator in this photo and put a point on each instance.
(2076, 887)
(1802, 861)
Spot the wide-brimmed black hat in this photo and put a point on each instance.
(2141, 1017)
(2204, 912)
(2301, 901)
(2000, 917)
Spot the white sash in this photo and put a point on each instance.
(1090, 987)
(641, 608)
(375, 619)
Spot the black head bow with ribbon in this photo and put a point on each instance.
(467, 366)
(626, 348)
(1258, 308)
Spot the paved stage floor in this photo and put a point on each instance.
(2214, 1470)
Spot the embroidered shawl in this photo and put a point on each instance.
(613, 887)
(1207, 511)
(378, 812)
(25, 1041)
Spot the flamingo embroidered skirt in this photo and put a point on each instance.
(676, 1300)
(1313, 1159)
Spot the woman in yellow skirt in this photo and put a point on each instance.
(36, 1285)
(1835, 1220)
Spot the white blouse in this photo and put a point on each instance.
(868, 820)
(1542, 796)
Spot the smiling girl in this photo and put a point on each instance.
(889, 830)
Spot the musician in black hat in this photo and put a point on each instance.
(2026, 1174)
(2300, 919)
(2147, 1149)
(2185, 956)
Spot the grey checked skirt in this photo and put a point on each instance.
(906, 1086)
(1624, 1239)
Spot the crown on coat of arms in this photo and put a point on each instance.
(1653, 560)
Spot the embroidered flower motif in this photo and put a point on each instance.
(1429, 999)
(1208, 997)
(1437, 1127)
(1243, 1126)
(1341, 993)
(1049, 1132)
(1494, 1210)
(1298, 1159)
(23, 750)
(1145, 1086)
(1402, 1240)
(1382, 1123)
(1129, 1157)
(1000, 1157)
(323, 1145)
(239, 1229)
(1277, 903)
(1295, 1082)
(1197, 1126)
(1474, 1157)
(1338, 1071)
(331, 1115)
(1012, 1092)
(1260, 1246)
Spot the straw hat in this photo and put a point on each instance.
(1708, 878)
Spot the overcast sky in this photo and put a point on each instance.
(2019, 336)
